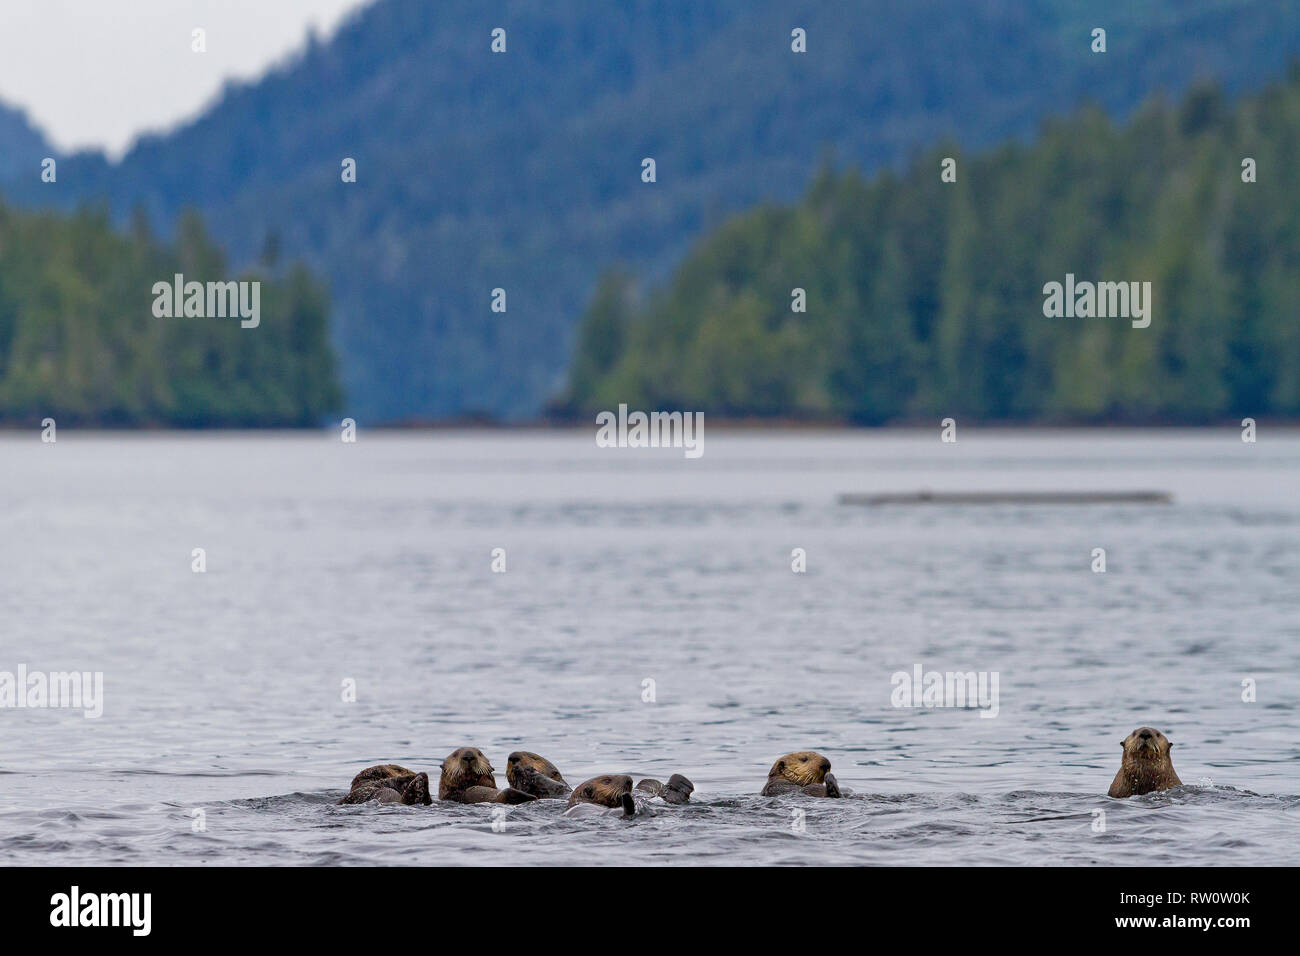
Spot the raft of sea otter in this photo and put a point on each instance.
(468, 777)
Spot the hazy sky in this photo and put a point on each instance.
(99, 72)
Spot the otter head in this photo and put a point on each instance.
(1146, 743)
(466, 767)
(522, 760)
(606, 790)
(804, 767)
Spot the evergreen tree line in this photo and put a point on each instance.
(79, 341)
(925, 298)
(522, 170)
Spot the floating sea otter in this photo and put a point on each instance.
(614, 793)
(467, 778)
(1146, 766)
(609, 791)
(804, 771)
(532, 774)
(389, 783)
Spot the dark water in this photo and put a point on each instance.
(371, 562)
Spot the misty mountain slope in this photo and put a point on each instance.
(21, 145)
(522, 170)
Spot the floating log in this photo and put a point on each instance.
(1011, 498)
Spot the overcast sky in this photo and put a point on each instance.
(99, 72)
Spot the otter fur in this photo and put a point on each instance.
(536, 775)
(467, 778)
(804, 771)
(677, 790)
(611, 791)
(1145, 766)
(389, 783)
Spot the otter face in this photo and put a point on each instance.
(1146, 766)
(522, 760)
(803, 768)
(1146, 743)
(606, 790)
(467, 767)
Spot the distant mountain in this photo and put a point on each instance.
(22, 147)
(925, 299)
(523, 170)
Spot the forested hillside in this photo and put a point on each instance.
(522, 170)
(79, 340)
(926, 298)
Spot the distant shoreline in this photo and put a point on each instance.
(726, 425)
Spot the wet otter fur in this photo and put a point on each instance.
(382, 772)
(678, 789)
(804, 771)
(612, 790)
(389, 783)
(1145, 766)
(467, 778)
(535, 775)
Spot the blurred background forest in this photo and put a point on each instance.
(79, 343)
(774, 170)
(926, 299)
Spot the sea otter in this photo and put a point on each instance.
(467, 778)
(802, 772)
(613, 794)
(1146, 766)
(389, 783)
(536, 775)
(600, 794)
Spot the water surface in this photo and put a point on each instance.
(372, 563)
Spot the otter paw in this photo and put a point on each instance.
(832, 786)
(417, 791)
(678, 790)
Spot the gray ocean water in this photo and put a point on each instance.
(225, 737)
